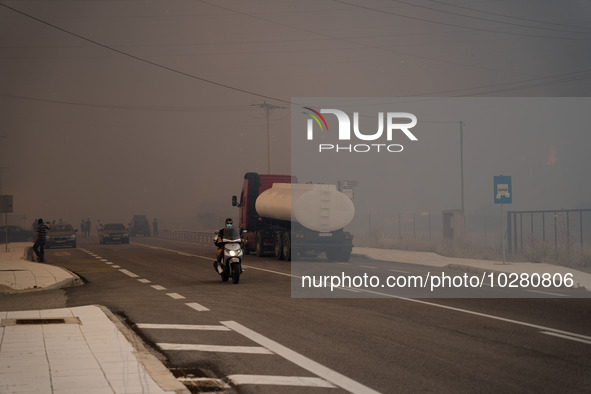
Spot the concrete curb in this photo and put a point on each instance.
(153, 364)
(61, 281)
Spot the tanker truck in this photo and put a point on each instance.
(283, 218)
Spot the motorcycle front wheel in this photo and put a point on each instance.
(225, 274)
(236, 273)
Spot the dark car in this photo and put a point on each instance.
(139, 226)
(61, 235)
(114, 232)
(15, 234)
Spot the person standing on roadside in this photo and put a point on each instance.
(40, 237)
(155, 225)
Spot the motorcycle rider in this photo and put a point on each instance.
(220, 244)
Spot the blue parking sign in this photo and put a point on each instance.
(503, 190)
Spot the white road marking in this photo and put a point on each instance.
(183, 327)
(280, 380)
(215, 348)
(176, 296)
(129, 273)
(158, 287)
(175, 251)
(145, 280)
(317, 369)
(115, 266)
(569, 337)
(185, 254)
(108, 262)
(197, 307)
(467, 311)
(266, 270)
(104, 260)
(209, 381)
(548, 293)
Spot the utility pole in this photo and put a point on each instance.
(268, 107)
(5, 216)
(1, 168)
(462, 161)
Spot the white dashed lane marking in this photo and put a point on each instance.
(197, 307)
(129, 273)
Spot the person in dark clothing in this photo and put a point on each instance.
(155, 225)
(219, 243)
(40, 237)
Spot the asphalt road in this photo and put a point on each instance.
(382, 344)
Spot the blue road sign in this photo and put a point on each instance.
(503, 190)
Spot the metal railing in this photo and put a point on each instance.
(189, 236)
(565, 228)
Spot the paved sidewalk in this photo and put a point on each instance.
(75, 350)
(70, 350)
(580, 279)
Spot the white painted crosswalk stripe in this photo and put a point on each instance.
(176, 296)
(314, 367)
(158, 287)
(280, 380)
(183, 327)
(214, 348)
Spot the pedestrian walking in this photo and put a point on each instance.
(40, 237)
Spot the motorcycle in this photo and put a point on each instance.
(231, 262)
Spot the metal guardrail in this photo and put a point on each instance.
(190, 236)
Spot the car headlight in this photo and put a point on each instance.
(73, 236)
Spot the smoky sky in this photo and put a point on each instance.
(115, 108)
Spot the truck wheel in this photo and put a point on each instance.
(286, 246)
(258, 245)
(345, 256)
(338, 255)
(279, 245)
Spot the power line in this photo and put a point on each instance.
(508, 16)
(209, 81)
(458, 25)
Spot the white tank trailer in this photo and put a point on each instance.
(317, 207)
(284, 218)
